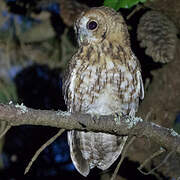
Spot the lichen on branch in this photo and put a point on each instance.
(126, 125)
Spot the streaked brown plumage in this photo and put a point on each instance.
(103, 78)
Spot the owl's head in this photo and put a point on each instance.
(99, 23)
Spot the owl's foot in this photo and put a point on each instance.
(117, 117)
(97, 116)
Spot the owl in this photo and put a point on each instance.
(103, 78)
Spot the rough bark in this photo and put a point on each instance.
(20, 115)
(171, 8)
(162, 99)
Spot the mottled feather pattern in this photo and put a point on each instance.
(103, 78)
(93, 74)
(99, 149)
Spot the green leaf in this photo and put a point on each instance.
(112, 3)
(117, 4)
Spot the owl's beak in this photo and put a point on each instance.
(81, 37)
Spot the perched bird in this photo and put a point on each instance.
(103, 78)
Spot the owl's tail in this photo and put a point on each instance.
(90, 149)
(79, 162)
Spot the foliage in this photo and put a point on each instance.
(7, 92)
(117, 4)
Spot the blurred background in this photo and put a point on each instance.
(36, 42)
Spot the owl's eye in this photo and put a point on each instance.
(92, 25)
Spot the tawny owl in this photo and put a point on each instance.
(103, 78)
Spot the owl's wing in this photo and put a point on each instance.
(140, 85)
(67, 78)
(66, 82)
(79, 162)
(112, 148)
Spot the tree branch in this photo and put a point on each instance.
(20, 115)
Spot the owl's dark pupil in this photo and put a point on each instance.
(92, 25)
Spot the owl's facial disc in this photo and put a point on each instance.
(85, 30)
(89, 29)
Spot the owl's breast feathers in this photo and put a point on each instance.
(102, 74)
(103, 79)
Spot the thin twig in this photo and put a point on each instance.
(5, 131)
(148, 115)
(122, 157)
(42, 148)
(138, 7)
(147, 119)
(155, 154)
